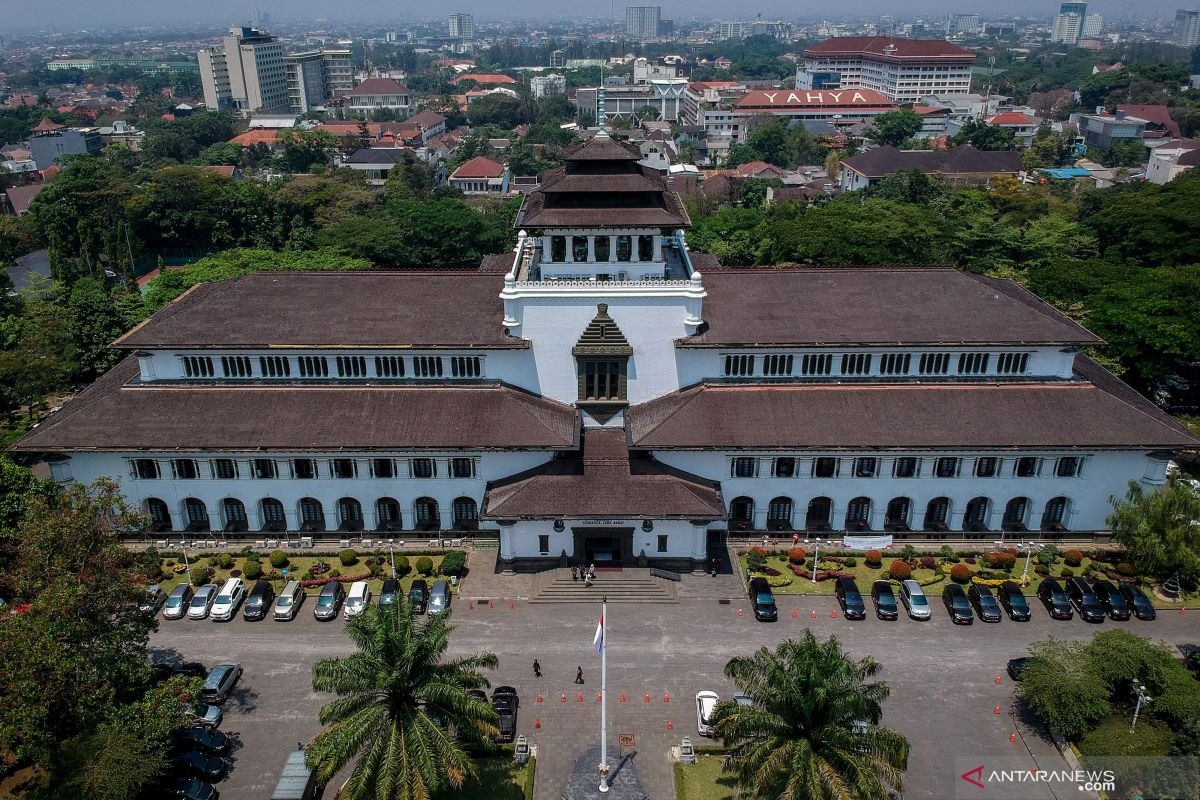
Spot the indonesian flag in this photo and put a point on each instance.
(598, 639)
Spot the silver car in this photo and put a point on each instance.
(202, 601)
(914, 600)
(178, 602)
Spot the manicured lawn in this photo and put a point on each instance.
(704, 780)
(500, 778)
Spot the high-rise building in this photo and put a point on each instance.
(558, 59)
(1093, 24)
(962, 24)
(1069, 23)
(1187, 27)
(641, 22)
(902, 70)
(245, 72)
(734, 30)
(316, 76)
(462, 26)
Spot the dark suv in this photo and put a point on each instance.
(985, 604)
(957, 605)
(850, 599)
(258, 601)
(885, 600)
(1084, 600)
(1141, 605)
(1013, 600)
(1055, 599)
(762, 602)
(418, 595)
(1112, 600)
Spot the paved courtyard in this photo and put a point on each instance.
(942, 678)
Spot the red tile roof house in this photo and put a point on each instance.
(1022, 125)
(379, 93)
(481, 175)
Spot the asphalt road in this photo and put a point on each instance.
(942, 678)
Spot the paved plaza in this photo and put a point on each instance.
(942, 678)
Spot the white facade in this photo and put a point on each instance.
(461, 26)
(642, 22)
(900, 81)
(245, 72)
(1187, 27)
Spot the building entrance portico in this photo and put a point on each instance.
(603, 546)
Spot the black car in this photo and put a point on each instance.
(1055, 599)
(1014, 602)
(1016, 666)
(418, 595)
(506, 703)
(957, 605)
(984, 603)
(205, 740)
(190, 669)
(390, 593)
(1084, 600)
(885, 600)
(1141, 605)
(258, 601)
(188, 789)
(850, 599)
(199, 765)
(1111, 599)
(762, 602)
(478, 694)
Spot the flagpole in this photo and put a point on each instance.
(604, 698)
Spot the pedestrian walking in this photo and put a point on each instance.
(537, 669)
(574, 574)
(579, 674)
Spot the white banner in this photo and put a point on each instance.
(867, 542)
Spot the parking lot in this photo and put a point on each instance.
(942, 678)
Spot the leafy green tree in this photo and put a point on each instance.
(495, 109)
(983, 136)
(801, 737)
(324, 200)
(110, 763)
(37, 355)
(886, 232)
(183, 139)
(894, 127)
(1159, 529)
(95, 324)
(221, 153)
(907, 186)
(403, 710)
(1060, 684)
(409, 180)
(1144, 224)
(302, 150)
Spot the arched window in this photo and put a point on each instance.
(1055, 514)
(858, 514)
(975, 518)
(897, 514)
(936, 514)
(197, 514)
(466, 514)
(312, 514)
(1014, 514)
(387, 514)
(779, 514)
(428, 517)
(160, 515)
(235, 514)
(817, 516)
(273, 516)
(741, 512)
(350, 516)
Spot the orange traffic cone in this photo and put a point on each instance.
(997, 680)
(997, 712)
(537, 723)
(670, 725)
(581, 697)
(833, 614)
(599, 697)
(491, 604)
(739, 612)
(814, 614)
(510, 605)
(563, 699)
(666, 698)
(795, 614)
(539, 698)
(647, 698)
(622, 697)
(1012, 737)
(470, 606)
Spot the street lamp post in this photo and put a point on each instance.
(187, 564)
(392, 555)
(816, 558)
(1143, 696)
(1030, 548)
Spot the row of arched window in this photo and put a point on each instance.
(270, 515)
(900, 514)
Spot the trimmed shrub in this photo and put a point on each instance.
(252, 556)
(758, 549)
(796, 555)
(960, 573)
(1041, 569)
(969, 560)
(402, 566)
(1125, 568)
(778, 580)
(999, 559)
(306, 575)
(928, 562)
(946, 553)
(1073, 558)
(874, 558)
(278, 559)
(335, 573)
(348, 557)
(755, 561)
(224, 560)
(454, 562)
(424, 565)
(1067, 573)
(900, 570)
(850, 562)
(253, 570)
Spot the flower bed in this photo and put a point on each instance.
(339, 579)
(821, 576)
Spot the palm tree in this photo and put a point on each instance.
(407, 712)
(811, 732)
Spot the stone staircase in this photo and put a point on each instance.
(627, 586)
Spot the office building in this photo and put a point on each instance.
(316, 77)
(1069, 23)
(734, 30)
(558, 59)
(462, 26)
(1187, 27)
(1093, 26)
(49, 141)
(903, 70)
(962, 25)
(245, 72)
(547, 84)
(641, 22)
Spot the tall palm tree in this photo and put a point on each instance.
(812, 730)
(407, 712)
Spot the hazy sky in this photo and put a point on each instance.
(74, 14)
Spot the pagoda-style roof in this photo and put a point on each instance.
(47, 125)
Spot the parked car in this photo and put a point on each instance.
(203, 739)
(1138, 602)
(850, 599)
(762, 601)
(154, 599)
(1055, 599)
(199, 765)
(178, 602)
(358, 599)
(1084, 600)
(957, 605)
(885, 600)
(743, 699)
(439, 597)
(706, 704)
(478, 694)
(206, 716)
(1014, 602)
(984, 603)
(329, 601)
(288, 602)
(221, 681)
(225, 607)
(506, 704)
(914, 599)
(1016, 666)
(258, 601)
(418, 596)
(1111, 599)
(189, 789)
(202, 601)
(192, 669)
(390, 593)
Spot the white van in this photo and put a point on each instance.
(227, 602)
(288, 602)
(358, 599)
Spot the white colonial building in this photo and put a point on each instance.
(603, 393)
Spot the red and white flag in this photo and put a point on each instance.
(598, 639)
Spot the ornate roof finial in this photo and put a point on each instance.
(600, 105)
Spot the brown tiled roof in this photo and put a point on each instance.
(376, 309)
(604, 482)
(963, 159)
(602, 148)
(559, 180)
(46, 126)
(19, 197)
(378, 86)
(426, 119)
(114, 414)
(878, 46)
(875, 306)
(1071, 415)
(535, 215)
(479, 167)
(1158, 114)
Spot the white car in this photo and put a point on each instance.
(914, 600)
(202, 601)
(358, 599)
(226, 605)
(706, 704)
